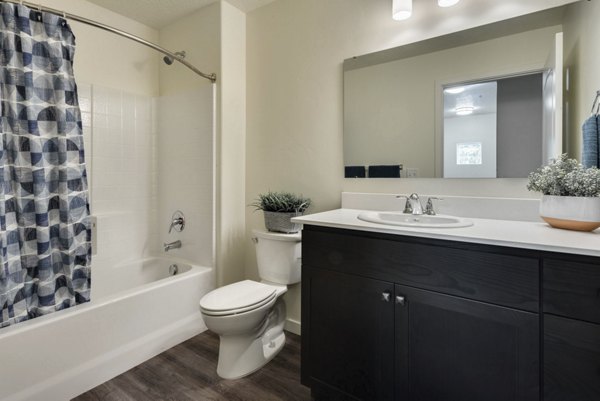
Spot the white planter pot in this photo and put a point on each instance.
(571, 212)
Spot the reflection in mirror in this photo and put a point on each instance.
(493, 129)
(397, 113)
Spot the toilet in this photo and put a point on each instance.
(248, 315)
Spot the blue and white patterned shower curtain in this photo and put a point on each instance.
(45, 233)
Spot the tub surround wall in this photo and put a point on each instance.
(185, 178)
(123, 179)
(215, 40)
(117, 79)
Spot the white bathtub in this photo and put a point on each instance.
(143, 312)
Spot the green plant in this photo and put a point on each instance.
(281, 202)
(565, 177)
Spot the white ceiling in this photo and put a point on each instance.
(159, 13)
(481, 96)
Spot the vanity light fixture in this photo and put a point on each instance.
(455, 90)
(401, 9)
(464, 110)
(447, 3)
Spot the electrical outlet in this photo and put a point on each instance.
(412, 172)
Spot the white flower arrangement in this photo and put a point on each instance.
(565, 177)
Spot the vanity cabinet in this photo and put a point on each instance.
(387, 317)
(571, 330)
(353, 334)
(453, 349)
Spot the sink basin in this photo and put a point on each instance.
(410, 220)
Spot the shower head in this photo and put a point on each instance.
(169, 60)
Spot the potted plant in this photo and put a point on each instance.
(279, 208)
(571, 194)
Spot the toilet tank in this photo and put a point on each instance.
(278, 256)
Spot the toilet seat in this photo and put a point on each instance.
(236, 298)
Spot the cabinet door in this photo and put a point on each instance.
(453, 349)
(350, 336)
(571, 360)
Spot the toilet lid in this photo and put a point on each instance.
(244, 295)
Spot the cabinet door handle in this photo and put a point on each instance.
(385, 296)
(400, 300)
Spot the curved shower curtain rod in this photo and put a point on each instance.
(211, 77)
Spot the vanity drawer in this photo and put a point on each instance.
(572, 289)
(501, 279)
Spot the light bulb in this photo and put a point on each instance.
(455, 90)
(447, 3)
(401, 9)
(464, 110)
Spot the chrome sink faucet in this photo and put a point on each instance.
(412, 205)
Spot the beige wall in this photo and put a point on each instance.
(231, 222)
(294, 121)
(199, 35)
(106, 59)
(581, 34)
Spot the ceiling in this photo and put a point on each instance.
(160, 13)
(480, 96)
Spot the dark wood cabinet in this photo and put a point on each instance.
(571, 329)
(571, 360)
(454, 349)
(352, 332)
(393, 318)
(572, 289)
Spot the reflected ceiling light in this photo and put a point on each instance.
(447, 3)
(464, 110)
(401, 9)
(455, 90)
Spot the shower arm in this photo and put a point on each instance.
(211, 77)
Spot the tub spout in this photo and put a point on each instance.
(172, 245)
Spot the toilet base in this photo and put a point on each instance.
(241, 355)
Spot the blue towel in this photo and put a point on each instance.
(385, 171)
(355, 172)
(590, 142)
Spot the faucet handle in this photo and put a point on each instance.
(407, 207)
(177, 222)
(429, 207)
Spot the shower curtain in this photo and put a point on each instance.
(45, 232)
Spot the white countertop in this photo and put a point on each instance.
(516, 234)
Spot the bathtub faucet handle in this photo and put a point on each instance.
(177, 222)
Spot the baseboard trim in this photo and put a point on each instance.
(293, 326)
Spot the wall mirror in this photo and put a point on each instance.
(484, 102)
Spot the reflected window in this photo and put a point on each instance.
(468, 153)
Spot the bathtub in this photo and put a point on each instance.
(144, 311)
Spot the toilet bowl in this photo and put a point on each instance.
(249, 316)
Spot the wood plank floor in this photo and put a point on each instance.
(188, 372)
